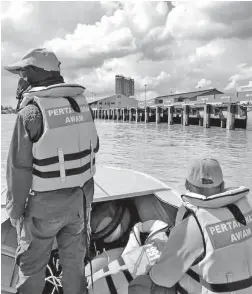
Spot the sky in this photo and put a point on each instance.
(171, 47)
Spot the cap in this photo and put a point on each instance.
(205, 173)
(39, 57)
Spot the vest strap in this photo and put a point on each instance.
(220, 288)
(180, 289)
(236, 212)
(111, 285)
(62, 165)
(128, 275)
(67, 157)
(68, 172)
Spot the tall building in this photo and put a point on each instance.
(124, 86)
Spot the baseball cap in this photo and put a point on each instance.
(39, 57)
(205, 173)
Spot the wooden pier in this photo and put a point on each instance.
(224, 110)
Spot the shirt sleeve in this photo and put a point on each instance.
(184, 246)
(19, 162)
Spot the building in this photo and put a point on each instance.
(114, 101)
(180, 97)
(124, 86)
(187, 96)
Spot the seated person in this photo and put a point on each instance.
(210, 248)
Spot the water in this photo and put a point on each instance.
(163, 151)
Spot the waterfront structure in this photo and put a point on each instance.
(223, 110)
(124, 86)
(184, 97)
(114, 101)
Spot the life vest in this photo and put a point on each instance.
(64, 156)
(115, 269)
(225, 221)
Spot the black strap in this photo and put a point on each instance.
(69, 172)
(236, 212)
(223, 287)
(180, 289)
(120, 261)
(74, 105)
(67, 157)
(187, 214)
(111, 285)
(128, 275)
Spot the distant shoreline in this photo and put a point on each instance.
(7, 110)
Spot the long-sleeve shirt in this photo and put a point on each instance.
(27, 129)
(184, 246)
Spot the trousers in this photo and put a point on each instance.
(49, 216)
(34, 247)
(144, 285)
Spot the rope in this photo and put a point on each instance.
(55, 281)
(3, 190)
(87, 237)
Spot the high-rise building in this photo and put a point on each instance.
(124, 86)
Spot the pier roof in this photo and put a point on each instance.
(190, 95)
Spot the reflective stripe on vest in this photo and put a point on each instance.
(64, 156)
(134, 260)
(218, 288)
(227, 238)
(112, 284)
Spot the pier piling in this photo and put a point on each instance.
(157, 115)
(130, 114)
(186, 111)
(136, 118)
(223, 123)
(201, 121)
(231, 116)
(146, 115)
(123, 114)
(170, 115)
(207, 115)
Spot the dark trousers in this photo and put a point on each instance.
(144, 285)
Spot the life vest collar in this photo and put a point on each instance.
(231, 195)
(57, 90)
(53, 91)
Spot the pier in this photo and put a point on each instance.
(222, 110)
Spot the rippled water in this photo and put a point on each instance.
(164, 151)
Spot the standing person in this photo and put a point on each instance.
(210, 248)
(50, 169)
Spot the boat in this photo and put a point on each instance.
(111, 184)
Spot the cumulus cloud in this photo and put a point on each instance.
(247, 87)
(170, 46)
(203, 83)
(244, 73)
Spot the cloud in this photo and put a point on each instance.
(208, 20)
(244, 73)
(170, 46)
(17, 14)
(247, 87)
(132, 28)
(203, 83)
